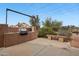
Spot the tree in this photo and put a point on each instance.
(53, 24)
(47, 23)
(56, 25)
(21, 24)
(35, 21)
(49, 27)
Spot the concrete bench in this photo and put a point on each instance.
(56, 37)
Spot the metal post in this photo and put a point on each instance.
(18, 13)
(6, 16)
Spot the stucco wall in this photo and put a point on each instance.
(75, 42)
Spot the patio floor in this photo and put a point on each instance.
(40, 47)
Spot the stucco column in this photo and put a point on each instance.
(33, 28)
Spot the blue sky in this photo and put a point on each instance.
(67, 13)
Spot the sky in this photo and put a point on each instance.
(68, 13)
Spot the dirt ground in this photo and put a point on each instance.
(40, 47)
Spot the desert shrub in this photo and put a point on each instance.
(46, 31)
(42, 33)
(67, 34)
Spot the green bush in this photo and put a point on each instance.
(44, 31)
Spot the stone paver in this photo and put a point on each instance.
(40, 47)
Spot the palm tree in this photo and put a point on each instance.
(35, 22)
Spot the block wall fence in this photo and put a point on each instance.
(9, 39)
